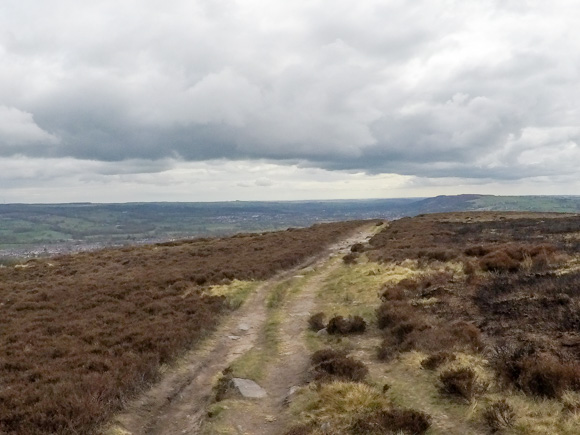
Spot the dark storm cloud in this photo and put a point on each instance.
(435, 89)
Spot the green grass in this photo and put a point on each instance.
(278, 294)
(337, 404)
(236, 292)
(528, 203)
(354, 289)
(218, 424)
(251, 364)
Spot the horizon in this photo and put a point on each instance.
(411, 198)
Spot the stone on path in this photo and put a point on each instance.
(243, 327)
(248, 388)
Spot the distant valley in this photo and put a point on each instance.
(36, 230)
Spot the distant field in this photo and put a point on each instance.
(32, 230)
(528, 203)
(39, 229)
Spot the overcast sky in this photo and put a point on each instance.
(201, 100)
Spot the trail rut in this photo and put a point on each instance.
(178, 403)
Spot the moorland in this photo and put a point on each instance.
(448, 323)
(459, 322)
(82, 333)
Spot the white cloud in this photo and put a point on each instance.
(17, 128)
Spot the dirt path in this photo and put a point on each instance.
(178, 404)
(269, 416)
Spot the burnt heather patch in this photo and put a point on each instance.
(518, 300)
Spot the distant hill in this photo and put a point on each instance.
(441, 204)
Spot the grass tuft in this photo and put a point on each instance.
(329, 364)
(462, 382)
(499, 416)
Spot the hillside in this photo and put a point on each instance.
(441, 204)
(83, 333)
(449, 323)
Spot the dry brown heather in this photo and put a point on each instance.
(519, 301)
(82, 333)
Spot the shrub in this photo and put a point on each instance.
(224, 385)
(388, 348)
(350, 258)
(393, 293)
(408, 284)
(499, 261)
(392, 313)
(302, 429)
(324, 355)
(403, 329)
(547, 377)
(477, 251)
(541, 262)
(499, 286)
(469, 270)
(499, 416)
(357, 247)
(439, 254)
(406, 421)
(432, 362)
(329, 364)
(357, 325)
(460, 382)
(535, 373)
(351, 325)
(467, 334)
(507, 362)
(316, 322)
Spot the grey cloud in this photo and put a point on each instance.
(434, 89)
(18, 130)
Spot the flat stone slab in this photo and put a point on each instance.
(248, 388)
